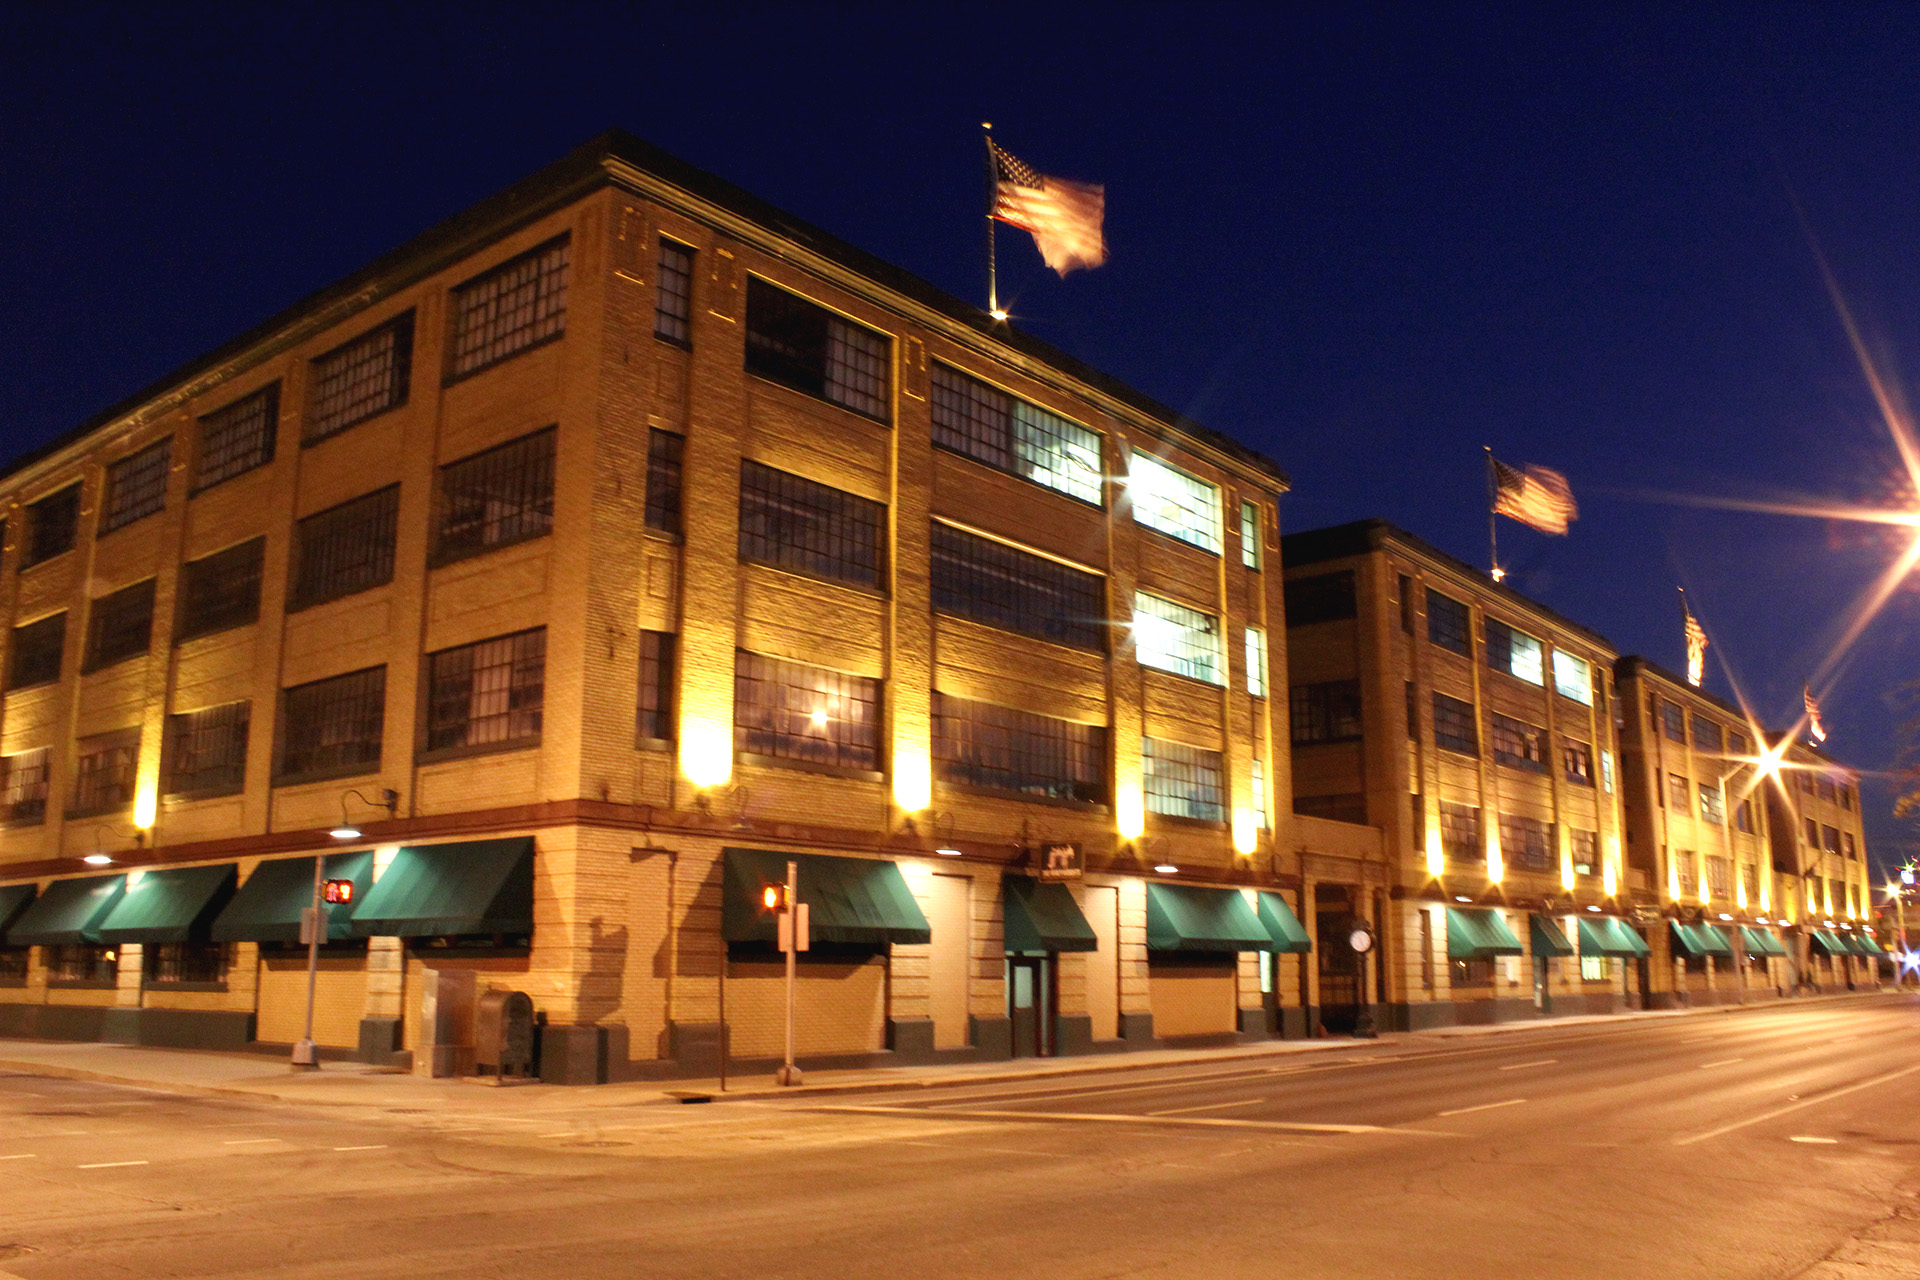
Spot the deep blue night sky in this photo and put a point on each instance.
(1366, 240)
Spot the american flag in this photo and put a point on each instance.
(1814, 726)
(1696, 645)
(1064, 217)
(1535, 496)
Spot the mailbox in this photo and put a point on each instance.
(503, 1033)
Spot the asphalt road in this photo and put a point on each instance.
(1768, 1144)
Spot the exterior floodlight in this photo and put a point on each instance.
(1166, 869)
(96, 860)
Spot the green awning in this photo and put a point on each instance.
(1041, 915)
(267, 908)
(1829, 943)
(1606, 936)
(852, 900)
(177, 905)
(1183, 917)
(14, 899)
(1869, 945)
(67, 912)
(446, 890)
(1548, 938)
(1702, 940)
(1288, 932)
(1479, 934)
(1761, 942)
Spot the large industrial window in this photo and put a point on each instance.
(1172, 637)
(119, 626)
(1586, 851)
(1002, 586)
(103, 774)
(1719, 877)
(793, 523)
(1830, 839)
(1256, 662)
(35, 654)
(1673, 720)
(496, 498)
(673, 295)
(23, 786)
(221, 591)
(238, 438)
(1707, 735)
(808, 348)
(345, 549)
(1713, 807)
(1257, 785)
(788, 711)
(1324, 597)
(1183, 781)
(359, 379)
(171, 964)
(1249, 535)
(654, 719)
(518, 304)
(1169, 500)
(1576, 762)
(1526, 843)
(1515, 652)
(1679, 794)
(1518, 745)
(488, 694)
(1738, 744)
(978, 744)
(1454, 727)
(136, 486)
(53, 523)
(1447, 623)
(1328, 712)
(988, 425)
(1460, 833)
(1596, 969)
(1573, 677)
(332, 728)
(206, 750)
(664, 453)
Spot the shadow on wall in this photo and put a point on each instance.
(603, 978)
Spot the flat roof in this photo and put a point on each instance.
(1633, 663)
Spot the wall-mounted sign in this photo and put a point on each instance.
(1058, 862)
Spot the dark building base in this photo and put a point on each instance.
(380, 1040)
(157, 1028)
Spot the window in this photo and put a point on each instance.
(83, 962)
(53, 523)
(988, 425)
(1707, 735)
(980, 745)
(1573, 677)
(136, 486)
(364, 377)
(1737, 744)
(1256, 662)
(664, 453)
(23, 786)
(1825, 786)
(119, 626)
(1576, 762)
(1678, 793)
(1846, 793)
(1182, 781)
(1525, 843)
(1175, 503)
(238, 438)
(1813, 834)
(1327, 712)
(1586, 851)
(496, 498)
(332, 728)
(518, 304)
(1460, 833)
(1830, 839)
(1515, 652)
(345, 549)
(35, 654)
(799, 345)
(1712, 806)
(1751, 874)
(673, 295)
(1172, 637)
(221, 591)
(1719, 877)
(1324, 597)
(1472, 972)
(1406, 611)
(654, 717)
(1257, 785)
(179, 963)
(1743, 817)
(1447, 623)
(1350, 806)
(1453, 725)
(1689, 872)
(14, 965)
(1606, 771)
(787, 711)
(1596, 969)
(1002, 586)
(1846, 841)
(207, 751)
(1413, 714)
(104, 769)
(1519, 745)
(1249, 535)
(792, 523)
(488, 694)
(1673, 719)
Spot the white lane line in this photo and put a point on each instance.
(1522, 1066)
(1724, 1062)
(27, 1156)
(247, 1142)
(1211, 1106)
(373, 1146)
(564, 1133)
(1095, 1117)
(1789, 1109)
(1825, 1142)
(1485, 1106)
(115, 1164)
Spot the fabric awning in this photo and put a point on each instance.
(267, 908)
(1041, 915)
(1289, 934)
(1761, 942)
(67, 912)
(445, 890)
(1548, 937)
(1702, 940)
(861, 901)
(1829, 943)
(1478, 934)
(176, 905)
(1606, 936)
(14, 900)
(1869, 945)
(1183, 917)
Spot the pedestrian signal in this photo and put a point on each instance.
(337, 891)
(773, 897)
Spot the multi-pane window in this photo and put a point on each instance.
(180, 963)
(1739, 745)
(1346, 806)
(664, 453)
(53, 523)
(806, 347)
(364, 377)
(1846, 793)
(345, 549)
(789, 711)
(1830, 839)
(238, 438)
(1515, 652)
(798, 524)
(487, 694)
(103, 772)
(119, 626)
(34, 655)
(673, 297)
(23, 786)
(1606, 771)
(1447, 624)
(1183, 781)
(1327, 712)
(1673, 722)
(136, 486)
(82, 962)
(496, 498)
(1257, 787)
(1586, 851)
(1517, 744)
(1679, 793)
(1596, 968)
(1015, 590)
(221, 591)
(978, 744)
(518, 304)
(654, 711)
(1172, 637)
(1825, 787)
(1256, 662)
(1846, 840)
(1526, 843)
(1713, 807)
(1460, 833)
(332, 727)
(1250, 535)
(1454, 727)
(1169, 500)
(1573, 677)
(1813, 834)
(1688, 868)
(1576, 762)
(1707, 735)
(1324, 597)
(206, 750)
(1743, 817)
(1719, 877)
(988, 425)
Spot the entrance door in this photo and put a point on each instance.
(1030, 1005)
(1339, 966)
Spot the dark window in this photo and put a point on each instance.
(34, 656)
(1406, 604)
(1447, 623)
(1460, 833)
(1846, 793)
(14, 964)
(332, 727)
(136, 486)
(1015, 590)
(364, 377)
(1743, 817)
(1517, 744)
(518, 304)
(207, 750)
(1327, 712)
(797, 344)
(1183, 781)
(655, 720)
(175, 963)
(796, 524)
(1738, 744)
(1325, 597)
(23, 786)
(664, 452)
(1576, 762)
(988, 425)
(1830, 839)
(1679, 794)
(1712, 805)
(1472, 972)
(487, 694)
(1525, 844)
(1673, 719)
(82, 962)
(1249, 535)
(1453, 725)
(52, 525)
(1813, 834)
(238, 438)
(1586, 851)
(119, 626)
(496, 498)
(1846, 839)
(345, 549)
(1825, 788)
(673, 298)
(104, 769)
(1345, 807)
(1413, 713)
(982, 745)
(221, 591)
(1707, 735)
(788, 711)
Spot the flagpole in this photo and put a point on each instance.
(1493, 518)
(993, 283)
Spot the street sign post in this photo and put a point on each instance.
(793, 935)
(313, 923)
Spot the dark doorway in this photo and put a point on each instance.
(1032, 1005)
(1339, 966)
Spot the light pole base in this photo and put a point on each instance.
(306, 1054)
(788, 1074)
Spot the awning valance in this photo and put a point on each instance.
(1041, 915)
(1183, 917)
(175, 905)
(14, 900)
(1869, 945)
(446, 890)
(68, 912)
(1548, 938)
(1701, 940)
(863, 901)
(1479, 934)
(1606, 936)
(1289, 934)
(1761, 942)
(1829, 942)
(267, 907)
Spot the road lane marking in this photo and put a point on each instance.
(115, 1164)
(244, 1142)
(1827, 1142)
(1210, 1106)
(565, 1133)
(1724, 1062)
(1096, 1117)
(1485, 1106)
(375, 1146)
(1522, 1066)
(1777, 1112)
(28, 1156)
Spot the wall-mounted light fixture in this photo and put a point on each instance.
(389, 800)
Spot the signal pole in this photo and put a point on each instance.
(791, 925)
(304, 1053)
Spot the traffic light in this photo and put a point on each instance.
(773, 897)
